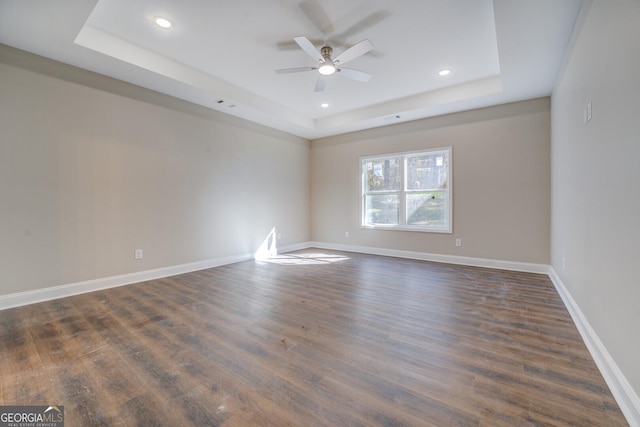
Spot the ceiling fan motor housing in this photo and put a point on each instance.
(326, 52)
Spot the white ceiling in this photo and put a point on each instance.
(498, 51)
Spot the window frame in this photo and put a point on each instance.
(404, 191)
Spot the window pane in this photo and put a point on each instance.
(383, 175)
(410, 191)
(427, 172)
(382, 209)
(427, 208)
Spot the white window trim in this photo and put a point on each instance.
(402, 204)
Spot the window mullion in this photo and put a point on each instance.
(403, 190)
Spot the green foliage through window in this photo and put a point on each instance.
(408, 191)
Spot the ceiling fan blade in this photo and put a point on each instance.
(354, 51)
(294, 70)
(320, 83)
(309, 48)
(365, 23)
(292, 45)
(359, 76)
(317, 16)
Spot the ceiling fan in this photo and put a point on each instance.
(316, 15)
(327, 65)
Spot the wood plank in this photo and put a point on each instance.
(323, 338)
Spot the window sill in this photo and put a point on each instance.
(406, 228)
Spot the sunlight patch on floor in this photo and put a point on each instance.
(268, 252)
(304, 258)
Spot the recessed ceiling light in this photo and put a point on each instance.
(163, 23)
(324, 105)
(444, 72)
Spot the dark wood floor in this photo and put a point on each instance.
(319, 338)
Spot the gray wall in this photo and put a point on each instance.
(91, 171)
(501, 173)
(92, 168)
(596, 178)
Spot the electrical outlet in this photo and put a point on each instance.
(138, 254)
(346, 234)
(279, 236)
(458, 242)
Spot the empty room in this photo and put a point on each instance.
(319, 213)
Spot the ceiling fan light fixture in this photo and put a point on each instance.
(326, 69)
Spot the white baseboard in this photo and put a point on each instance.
(627, 398)
(67, 290)
(449, 259)
(624, 394)
(622, 391)
(55, 292)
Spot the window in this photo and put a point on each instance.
(407, 191)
